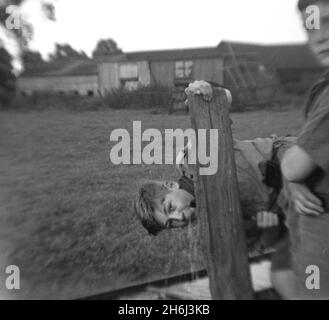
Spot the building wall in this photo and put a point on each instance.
(162, 73)
(209, 70)
(144, 75)
(300, 74)
(109, 75)
(79, 84)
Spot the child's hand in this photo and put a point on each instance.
(200, 87)
(304, 200)
(267, 219)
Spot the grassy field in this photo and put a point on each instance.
(66, 216)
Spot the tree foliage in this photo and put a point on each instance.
(24, 32)
(7, 77)
(64, 51)
(3, 5)
(31, 59)
(106, 47)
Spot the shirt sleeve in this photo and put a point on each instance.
(314, 137)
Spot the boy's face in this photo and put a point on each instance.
(176, 209)
(319, 38)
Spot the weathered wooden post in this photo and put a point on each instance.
(218, 206)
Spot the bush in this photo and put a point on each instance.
(151, 97)
(7, 78)
(50, 100)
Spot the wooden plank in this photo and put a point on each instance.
(218, 205)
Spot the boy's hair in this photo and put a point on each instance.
(303, 4)
(149, 196)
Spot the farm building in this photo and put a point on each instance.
(70, 76)
(291, 63)
(252, 72)
(167, 68)
(174, 69)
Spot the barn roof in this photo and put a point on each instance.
(173, 54)
(195, 53)
(67, 67)
(284, 56)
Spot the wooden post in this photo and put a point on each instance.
(218, 206)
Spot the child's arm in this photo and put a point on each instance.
(297, 165)
(304, 200)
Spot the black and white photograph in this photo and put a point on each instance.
(164, 150)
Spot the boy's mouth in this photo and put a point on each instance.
(323, 52)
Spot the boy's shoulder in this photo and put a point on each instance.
(318, 96)
(314, 134)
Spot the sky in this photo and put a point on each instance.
(164, 24)
(138, 25)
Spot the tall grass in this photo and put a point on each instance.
(67, 216)
(50, 100)
(146, 98)
(142, 98)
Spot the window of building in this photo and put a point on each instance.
(184, 69)
(128, 71)
(129, 76)
(90, 93)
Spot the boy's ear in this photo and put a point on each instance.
(172, 185)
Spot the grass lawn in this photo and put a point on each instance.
(66, 216)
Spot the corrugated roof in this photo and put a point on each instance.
(67, 67)
(285, 56)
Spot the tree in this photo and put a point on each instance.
(106, 47)
(63, 51)
(32, 59)
(7, 77)
(3, 5)
(13, 25)
(48, 10)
